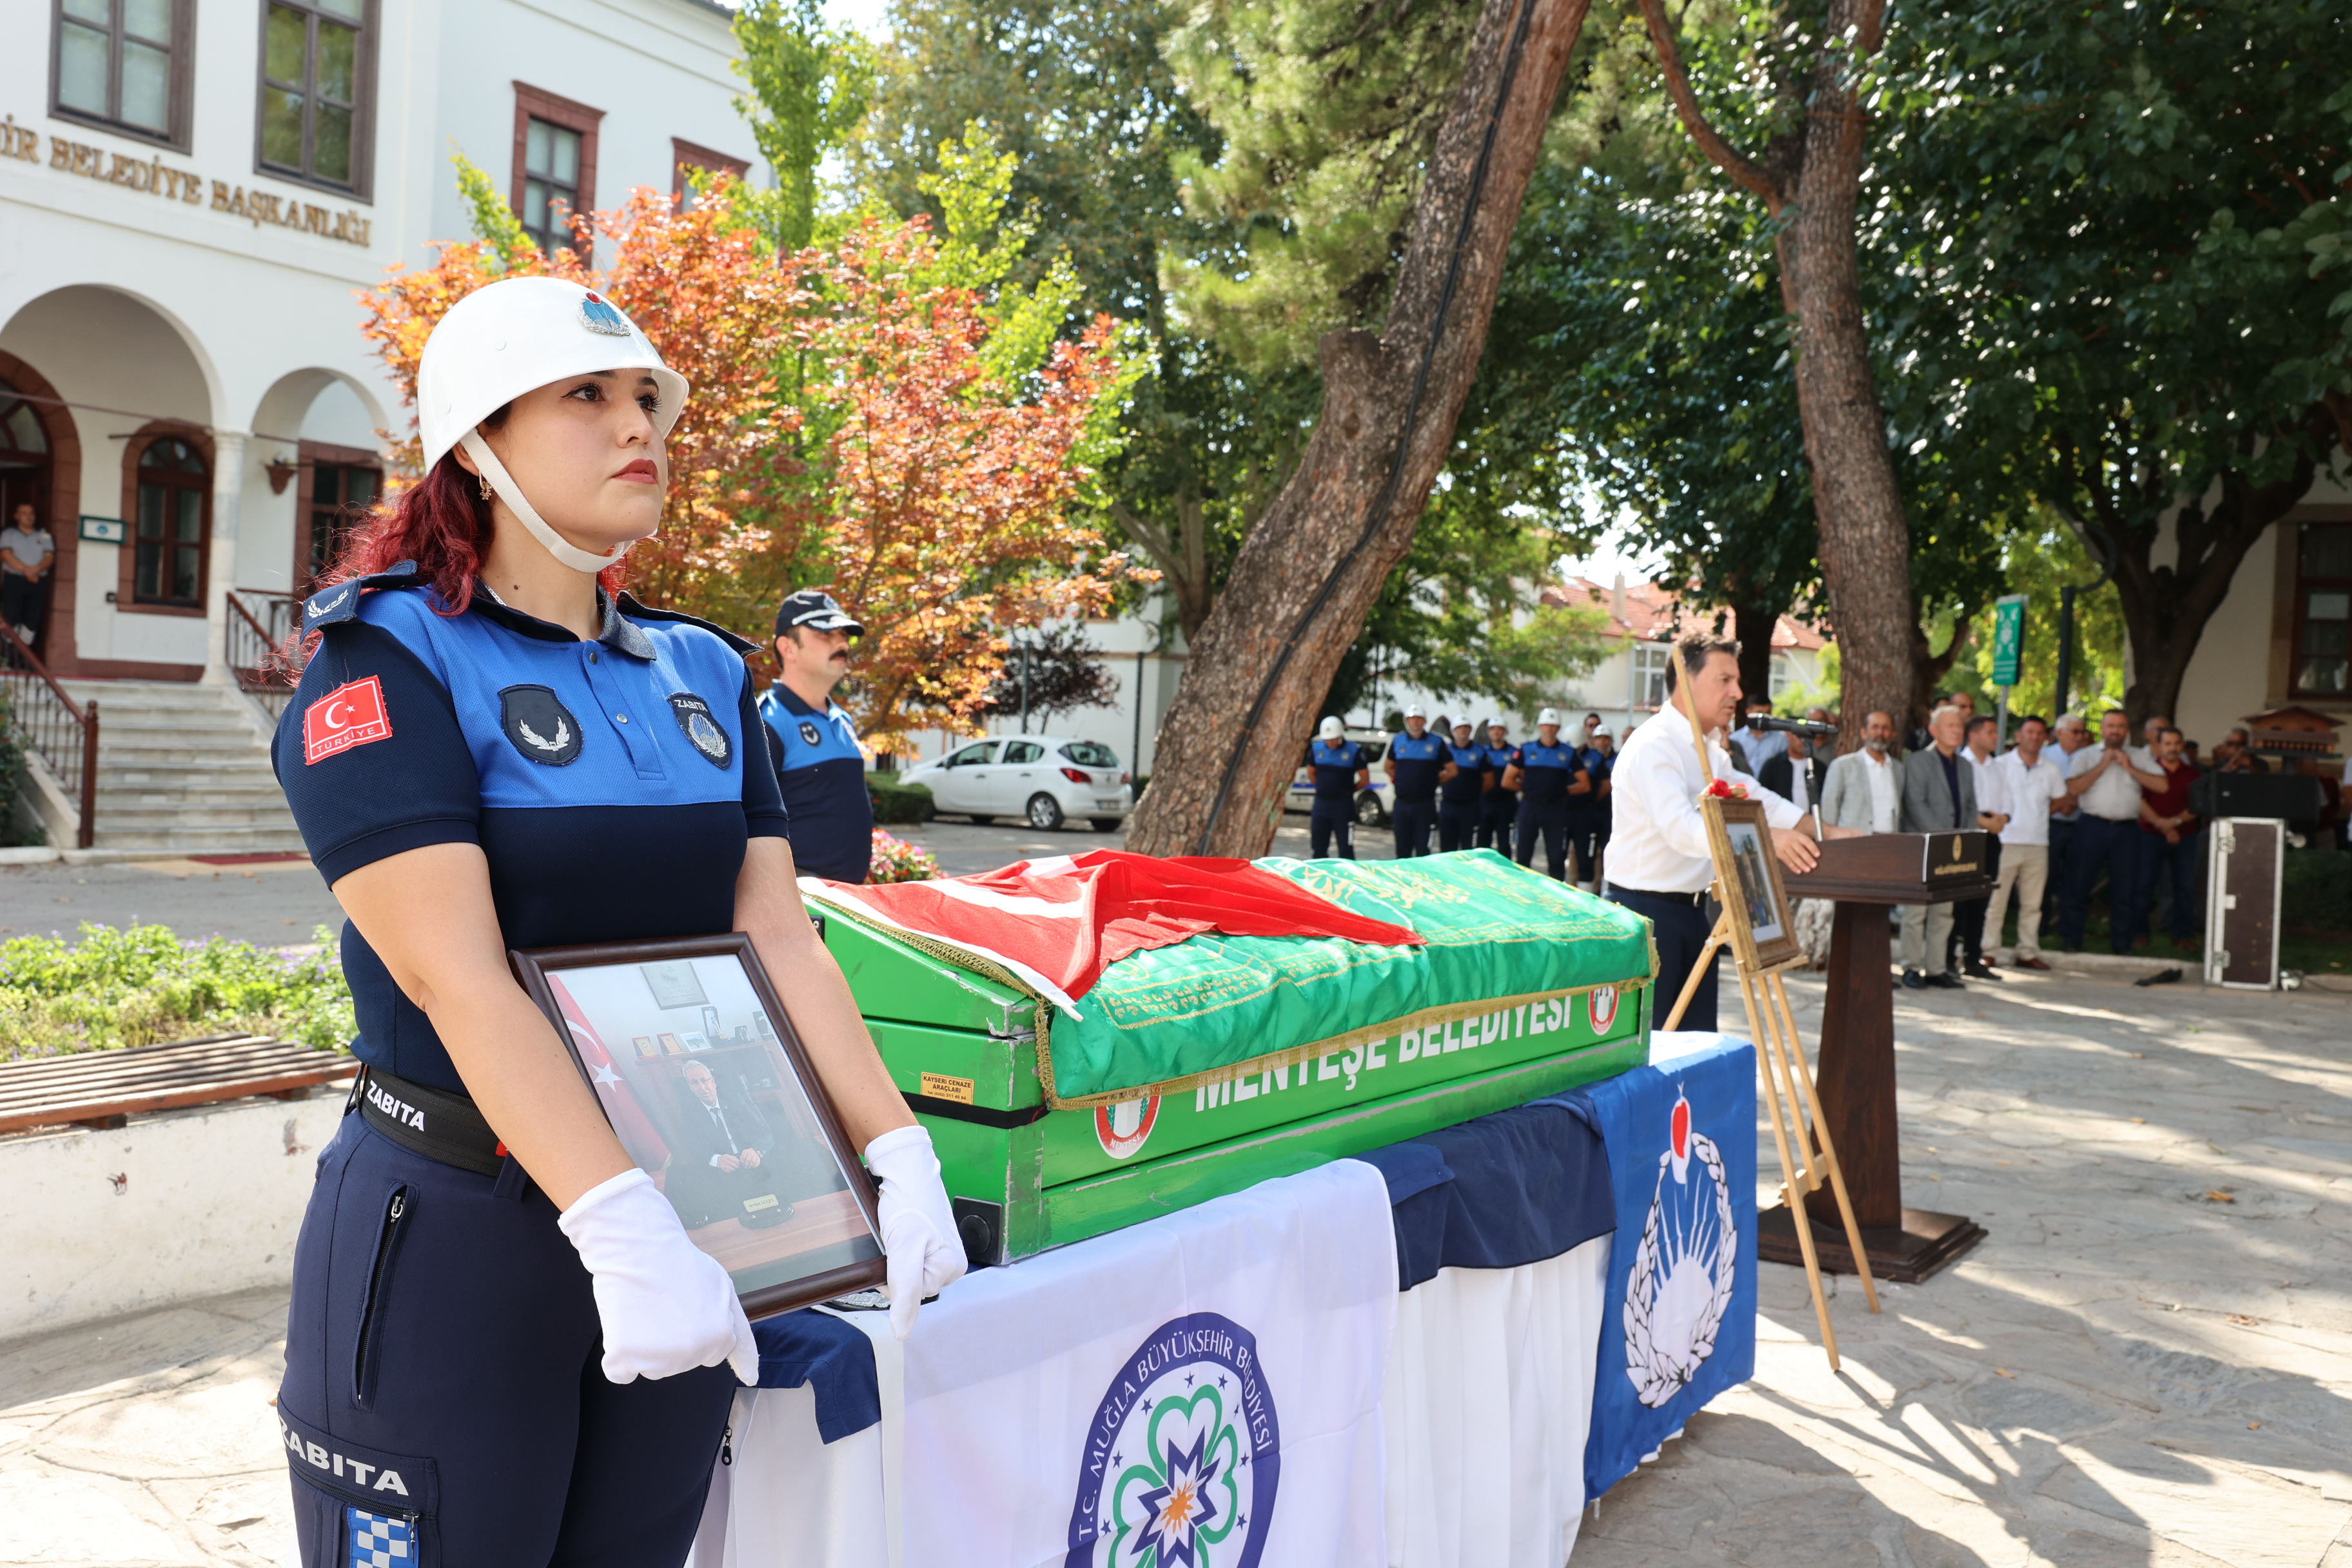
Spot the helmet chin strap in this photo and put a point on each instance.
(554, 543)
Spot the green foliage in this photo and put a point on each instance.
(897, 802)
(811, 86)
(1798, 696)
(491, 215)
(2315, 890)
(1328, 108)
(15, 774)
(141, 984)
(2038, 565)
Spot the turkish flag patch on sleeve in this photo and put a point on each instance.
(347, 716)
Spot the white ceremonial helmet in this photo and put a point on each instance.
(1549, 716)
(1415, 711)
(1332, 730)
(516, 336)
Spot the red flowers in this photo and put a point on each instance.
(1724, 789)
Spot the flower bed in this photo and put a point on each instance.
(108, 987)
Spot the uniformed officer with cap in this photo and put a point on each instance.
(1500, 810)
(813, 744)
(503, 1347)
(1417, 763)
(1339, 773)
(1462, 795)
(1551, 776)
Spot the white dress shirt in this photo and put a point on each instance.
(2027, 794)
(1657, 841)
(1992, 794)
(2115, 797)
(1800, 795)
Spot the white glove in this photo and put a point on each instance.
(666, 1305)
(920, 1242)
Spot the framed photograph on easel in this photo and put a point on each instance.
(1763, 925)
(733, 1126)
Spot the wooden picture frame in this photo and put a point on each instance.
(794, 1224)
(1755, 904)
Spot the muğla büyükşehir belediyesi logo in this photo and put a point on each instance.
(1681, 1283)
(1182, 1456)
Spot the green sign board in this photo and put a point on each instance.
(2008, 638)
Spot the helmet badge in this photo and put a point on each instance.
(598, 315)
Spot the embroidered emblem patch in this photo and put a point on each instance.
(381, 1542)
(694, 717)
(541, 726)
(1682, 1278)
(809, 732)
(597, 314)
(350, 715)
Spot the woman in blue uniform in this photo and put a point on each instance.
(502, 1347)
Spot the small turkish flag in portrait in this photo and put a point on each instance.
(347, 716)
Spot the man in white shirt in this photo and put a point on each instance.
(2031, 784)
(2067, 736)
(26, 554)
(1863, 793)
(2106, 789)
(1659, 861)
(1992, 816)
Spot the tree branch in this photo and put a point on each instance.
(1711, 142)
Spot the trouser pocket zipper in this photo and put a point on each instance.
(367, 1347)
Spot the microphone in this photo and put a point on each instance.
(1760, 723)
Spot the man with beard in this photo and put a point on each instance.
(813, 743)
(1864, 788)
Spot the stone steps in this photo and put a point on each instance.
(183, 767)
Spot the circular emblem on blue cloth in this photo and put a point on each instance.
(598, 315)
(539, 725)
(1182, 1456)
(702, 728)
(810, 734)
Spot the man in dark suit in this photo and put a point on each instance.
(722, 1163)
(1796, 776)
(1940, 794)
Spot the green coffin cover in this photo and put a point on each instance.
(1215, 1007)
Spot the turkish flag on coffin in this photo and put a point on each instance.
(1070, 918)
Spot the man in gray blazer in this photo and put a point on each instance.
(1940, 794)
(1864, 790)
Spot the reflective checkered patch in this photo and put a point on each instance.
(381, 1542)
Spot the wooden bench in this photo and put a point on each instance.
(103, 1089)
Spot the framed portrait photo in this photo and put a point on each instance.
(1763, 925)
(735, 1129)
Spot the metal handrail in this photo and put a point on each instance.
(62, 733)
(257, 646)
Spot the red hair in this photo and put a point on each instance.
(442, 523)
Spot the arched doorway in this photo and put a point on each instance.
(25, 480)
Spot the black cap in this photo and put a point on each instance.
(816, 610)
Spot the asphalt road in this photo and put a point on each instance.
(281, 903)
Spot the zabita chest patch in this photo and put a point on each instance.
(541, 727)
(702, 728)
(350, 715)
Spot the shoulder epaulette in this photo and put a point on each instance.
(629, 606)
(341, 603)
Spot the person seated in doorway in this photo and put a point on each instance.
(27, 552)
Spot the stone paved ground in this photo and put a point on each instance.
(2131, 1371)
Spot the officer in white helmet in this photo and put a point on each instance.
(502, 1346)
(1550, 777)
(1341, 769)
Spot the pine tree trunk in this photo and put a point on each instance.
(1304, 581)
(1865, 540)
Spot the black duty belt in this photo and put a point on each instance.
(430, 1121)
(1694, 899)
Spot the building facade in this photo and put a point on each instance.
(193, 192)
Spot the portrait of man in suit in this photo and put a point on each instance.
(723, 1161)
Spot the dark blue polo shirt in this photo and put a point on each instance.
(1418, 763)
(822, 774)
(1497, 759)
(1596, 767)
(1546, 772)
(1335, 769)
(606, 782)
(1469, 779)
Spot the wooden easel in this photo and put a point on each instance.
(1788, 1080)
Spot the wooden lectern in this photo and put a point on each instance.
(1865, 876)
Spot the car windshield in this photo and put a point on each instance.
(1090, 755)
(972, 756)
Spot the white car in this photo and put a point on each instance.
(1042, 779)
